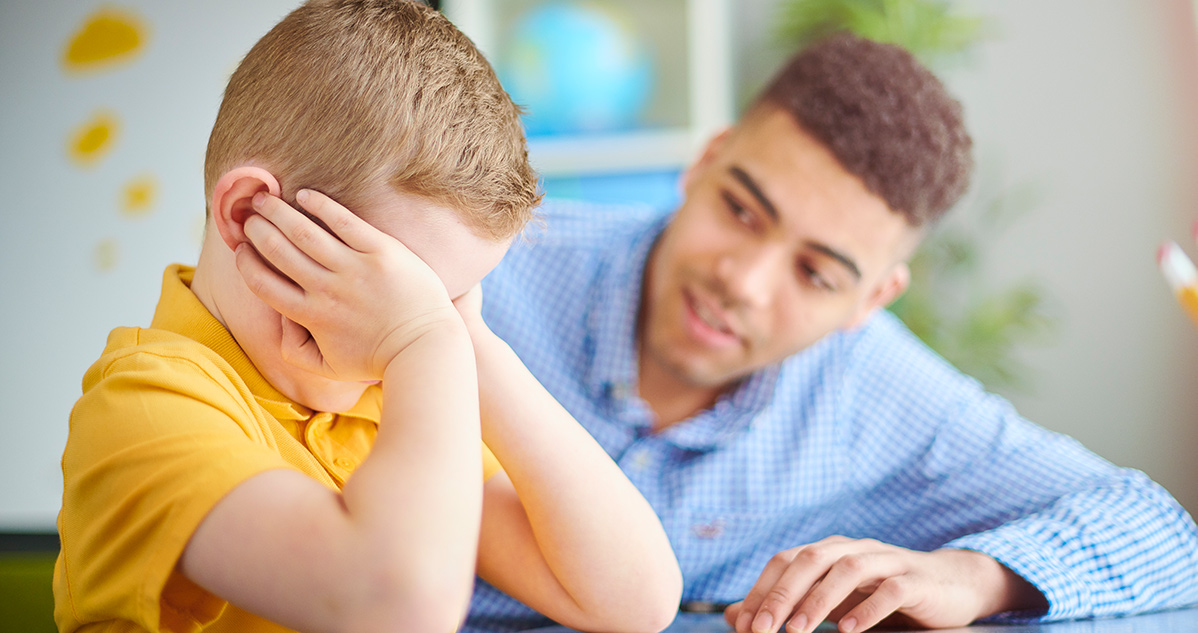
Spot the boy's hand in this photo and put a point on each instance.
(351, 298)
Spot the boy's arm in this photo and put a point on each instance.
(396, 549)
(565, 531)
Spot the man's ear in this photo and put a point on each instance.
(890, 288)
(232, 200)
(705, 158)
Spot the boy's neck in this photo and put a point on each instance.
(201, 282)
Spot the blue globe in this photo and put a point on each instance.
(577, 68)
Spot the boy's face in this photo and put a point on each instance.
(432, 231)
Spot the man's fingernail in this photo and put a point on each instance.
(763, 623)
(743, 620)
(301, 196)
(848, 625)
(798, 623)
(258, 199)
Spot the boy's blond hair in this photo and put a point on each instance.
(344, 96)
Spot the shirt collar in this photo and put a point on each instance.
(730, 415)
(180, 311)
(613, 372)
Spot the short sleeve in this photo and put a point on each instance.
(155, 442)
(491, 466)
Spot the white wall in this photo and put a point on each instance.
(1094, 100)
(58, 302)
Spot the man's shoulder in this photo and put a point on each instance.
(548, 283)
(886, 361)
(567, 248)
(588, 225)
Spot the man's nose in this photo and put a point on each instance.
(752, 274)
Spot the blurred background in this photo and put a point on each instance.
(1043, 283)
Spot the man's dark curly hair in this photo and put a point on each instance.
(885, 117)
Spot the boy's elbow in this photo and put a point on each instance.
(647, 616)
(400, 600)
(661, 603)
(653, 618)
(651, 607)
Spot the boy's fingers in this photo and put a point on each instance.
(299, 348)
(305, 235)
(273, 288)
(281, 252)
(341, 222)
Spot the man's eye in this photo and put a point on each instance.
(738, 210)
(813, 277)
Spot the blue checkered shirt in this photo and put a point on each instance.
(866, 434)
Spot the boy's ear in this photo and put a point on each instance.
(890, 288)
(232, 200)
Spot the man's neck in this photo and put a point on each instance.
(672, 400)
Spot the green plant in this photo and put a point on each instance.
(975, 326)
(930, 29)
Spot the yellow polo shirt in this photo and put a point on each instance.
(173, 418)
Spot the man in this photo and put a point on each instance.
(808, 456)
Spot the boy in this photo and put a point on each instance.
(303, 452)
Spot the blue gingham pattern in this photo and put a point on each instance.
(865, 434)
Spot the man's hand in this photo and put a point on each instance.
(858, 583)
(351, 298)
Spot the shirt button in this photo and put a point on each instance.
(641, 459)
(708, 531)
(622, 391)
(343, 463)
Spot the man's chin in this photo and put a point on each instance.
(700, 373)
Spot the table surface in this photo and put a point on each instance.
(1177, 621)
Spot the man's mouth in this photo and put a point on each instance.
(707, 324)
(712, 321)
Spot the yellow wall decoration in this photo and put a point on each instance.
(106, 255)
(92, 140)
(140, 194)
(110, 36)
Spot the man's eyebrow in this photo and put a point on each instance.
(837, 255)
(743, 178)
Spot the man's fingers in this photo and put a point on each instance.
(748, 621)
(731, 613)
(847, 575)
(891, 595)
(792, 590)
(800, 598)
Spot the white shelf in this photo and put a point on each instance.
(608, 153)
(709, 99)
